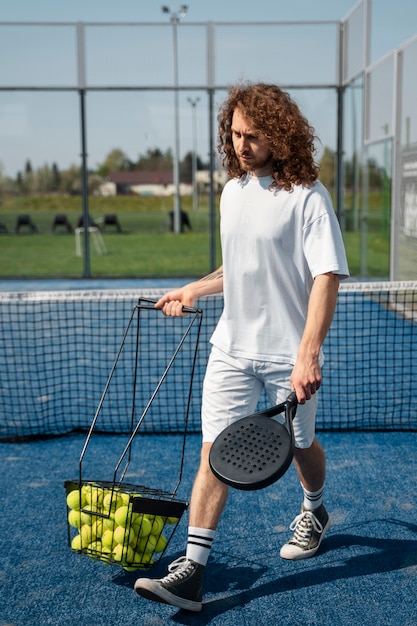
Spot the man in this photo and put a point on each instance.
(283, 256)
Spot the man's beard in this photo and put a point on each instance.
(254, 164)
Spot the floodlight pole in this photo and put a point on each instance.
(194, 154)
(175, 18)
(84, 168)
(84, 189)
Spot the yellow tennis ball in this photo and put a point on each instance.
(86, 535)
(124, 535)
(142, 526)
(75, 500)
(172, 520)
(107, 539)
(86, 518)
(94, 550)
(94, 496)
(78, 518)
(106, 555)
(160, 544)
(135, 562)
(121, 515)
(111, 502)
(157, 525)
(125, 498)
(76, 543)
(109, 523)
(146, 544)
(123, 554)
(97, 528)
(148, 558)
(74, 518)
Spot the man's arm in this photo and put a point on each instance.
(173, 301)
(306, 376)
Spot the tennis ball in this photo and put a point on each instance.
(147, 558)
(76, 543)
(106, 555)
(97, 528)
(146, 544)
(160, 544)
(134, 563)
(75, 500)
(74, 518)
(157, 525)
(109, 523)
(124, 535)
(111, 502)
(94, 550)
(78, 518)
(94, 496)
(125, 498)
(123, 554)
(86, 518)
(121, 516)
(142, 526)
(107, 539)
(86, 535)
(173, 520)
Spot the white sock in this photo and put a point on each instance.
(312, 499)
(199, 544)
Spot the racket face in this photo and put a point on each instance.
(252, 453)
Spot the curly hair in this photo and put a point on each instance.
(280, 125)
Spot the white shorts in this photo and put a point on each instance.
(232, 388)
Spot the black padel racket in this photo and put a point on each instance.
(255, 451)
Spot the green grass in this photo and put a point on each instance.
(145, 248)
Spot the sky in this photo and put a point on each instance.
(45, 127)
(393, 21)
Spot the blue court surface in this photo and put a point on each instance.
(365, 572)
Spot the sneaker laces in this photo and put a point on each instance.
(178, 569)
(302, 526)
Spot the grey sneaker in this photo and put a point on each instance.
(309, 529)
(182, 586)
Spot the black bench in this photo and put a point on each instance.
(25, 221)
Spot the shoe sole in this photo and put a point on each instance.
(305, 554)
(151, 590)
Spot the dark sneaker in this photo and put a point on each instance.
(309, 529)
(182, 587)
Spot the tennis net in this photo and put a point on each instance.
(58, 348)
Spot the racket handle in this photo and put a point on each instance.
(292, 398)
(151, 305)
(291, 404)
(190, 309)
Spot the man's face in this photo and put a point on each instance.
(253, 155)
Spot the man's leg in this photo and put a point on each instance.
(183, 586)
(311, 525)
(208, 496)
(231, 390)
(310, 464)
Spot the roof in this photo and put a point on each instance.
(139, 177)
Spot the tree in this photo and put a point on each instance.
(327, 168)
(155, 160)
(71, 180)
(186, 167)
(115, 161)
(56, 177)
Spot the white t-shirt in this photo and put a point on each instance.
(274, 243)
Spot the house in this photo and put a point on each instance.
(157, 183)
(146, 183)
(220, 178)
